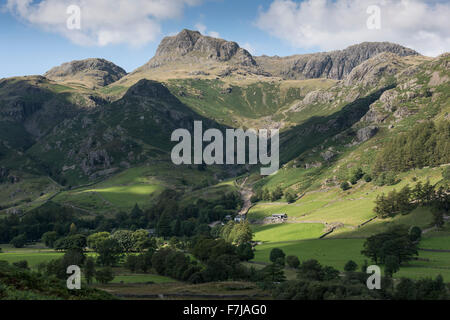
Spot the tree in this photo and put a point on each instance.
(104, 275)
(73, 228)
(273, 273)
(49, 238)
(290, 196)
(136, 213)
(125, 239)
(406, 290)
(392, 265)
(141, 240)
(293, 262)
(109, 252)
(226, 231)
(89, 269)
(23, 264)
(245, 252)
(310, 269)
(277, 194)
(94, 240)
(438, 217)
(329, 273)
(241, 233)
(276, 254)
(163, 228)
(76, 241)
(350, 266)
(415, 233)
(19, 241)
(131, 262)
(72, 257)
(394, 242)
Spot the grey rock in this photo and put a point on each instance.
(101, 71)
(333, 65)
(366, 133)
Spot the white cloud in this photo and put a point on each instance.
(214, 34)
(204, 30)
(247, 46)
(103, 22)
(336, 24)
(201, 28)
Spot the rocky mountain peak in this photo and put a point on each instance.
(96, 72)
(192, 46)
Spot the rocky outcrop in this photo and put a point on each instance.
(99, 72)
(371, 71)
(192, 45)
(366, 133)
(333, 65)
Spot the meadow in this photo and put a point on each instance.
(287, 232)
(336, 253)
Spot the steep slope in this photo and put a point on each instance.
(394, 95)
(333, 65)
(115, 136)
(88, 72)
(189, 54)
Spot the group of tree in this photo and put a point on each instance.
(355, 176)
(264, 194)
(391, 248)
(426, 144)
(19, 282)
(405, 200)
(236, 233)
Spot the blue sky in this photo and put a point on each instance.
(34, 39)
(31, 50)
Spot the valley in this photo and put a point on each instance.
(89, 145)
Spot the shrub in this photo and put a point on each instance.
(292, 261)
(415, 233)
(23, 264)
(345, 186)
(19, 241)
(276, 254)
(104, 275)
(350, 266)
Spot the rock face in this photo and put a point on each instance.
(192, 45)
(99, 72)
(370, 71)
(333, 65)
(366, 133)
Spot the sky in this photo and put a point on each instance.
(36, 35)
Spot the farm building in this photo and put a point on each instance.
(281, 216)
(276, 218)
(240, 218)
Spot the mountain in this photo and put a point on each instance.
(333, 65)
(88, 120)
(189, 54)
(92, 72)
(193, 46)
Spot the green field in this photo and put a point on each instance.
(287, 232)
(336, 252)
(142, 278)
(140, 185)
(34, 254)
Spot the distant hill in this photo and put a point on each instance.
(90, 72)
